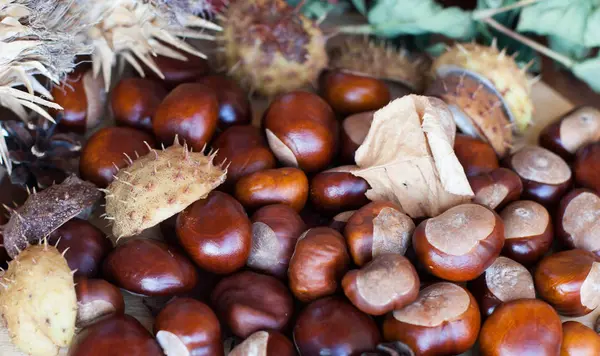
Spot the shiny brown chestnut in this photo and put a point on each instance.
(528, 231)
(332, 326)
(476, 157)
(287, 186)
(216, 233)
(545, 176)
(350, 94)
(82, 98)
(175, 71)
(150, 268)
(234, 106)
(579, 340)
(244, 150)
(302, 131)
(578, 220)
(378, 228)
(87, 246)
(354, 130)
(189, 111)
(134, 102)
(265, 343)
(118, 335)
(318, 264)
(337, 190)
(249, 302)
(386, 283)
(521, 327)
(109, 150)
(587, 166)
(569, 281)
(188, 327)
(96, 299)
(459, 244)
(338, 222)
(503, 281)
(444, 320)
(275, 230)
(496, 188)
(574, 130)
(395, 348)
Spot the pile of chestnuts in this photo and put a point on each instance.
(289, 257)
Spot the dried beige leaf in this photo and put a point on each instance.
(408, 157)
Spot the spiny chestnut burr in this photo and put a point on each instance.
(444, 320)
(545, 176)
(96, 299)
(332, 326)
(178, 72)
(350, 94)
(190, 111)
(577, 220)
(503, 281)
(528, 231)
(476, 157)
(496, 188)
(579, 340)
(378, 228)
(318, 264)
(459, 244)
(134, 102)
(275, 230)
(386, 283)
(234, 106)
(188, 327)
(245, 150)
(587, 166)
(265, 343)
(82, 97)
(336, 190)
(287, 186)
(302, 131)
(87, 246)
(216, 233)
(108, 150)
(353, 131)
(574, 130)
(150, 268)
(521, 327)
(249, 302)
(569, 281)
(118, 335)
(338, 222)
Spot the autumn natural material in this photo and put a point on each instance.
(46, 211)
(158, 186)
(270, 47)
(38, 301)
(407, 157)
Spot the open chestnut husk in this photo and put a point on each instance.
(444, 320)
(503, 281)
(577, 220)
(496, 188)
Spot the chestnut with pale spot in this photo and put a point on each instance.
(378, 228)
(461, 243)
(444, 320)
(96, 299)
(275, 230)
(318, 264)
(573, 131)
(386, 283)
(336, 190)
(578, 220)
(339, 221)
(496, 188)
(503, 281)
(186, 327)
(569, 281)
(353, 132)
(528, 231)
(265, 343)
(546, 177)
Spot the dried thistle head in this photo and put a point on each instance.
(136, 31)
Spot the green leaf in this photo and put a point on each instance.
(316, 9)
(437, 49)
(588, 72)
(568, 19)
(390, 18)
(361, 6)
(591, 37)
(568, 48)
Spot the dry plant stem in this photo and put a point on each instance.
(488, 13)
